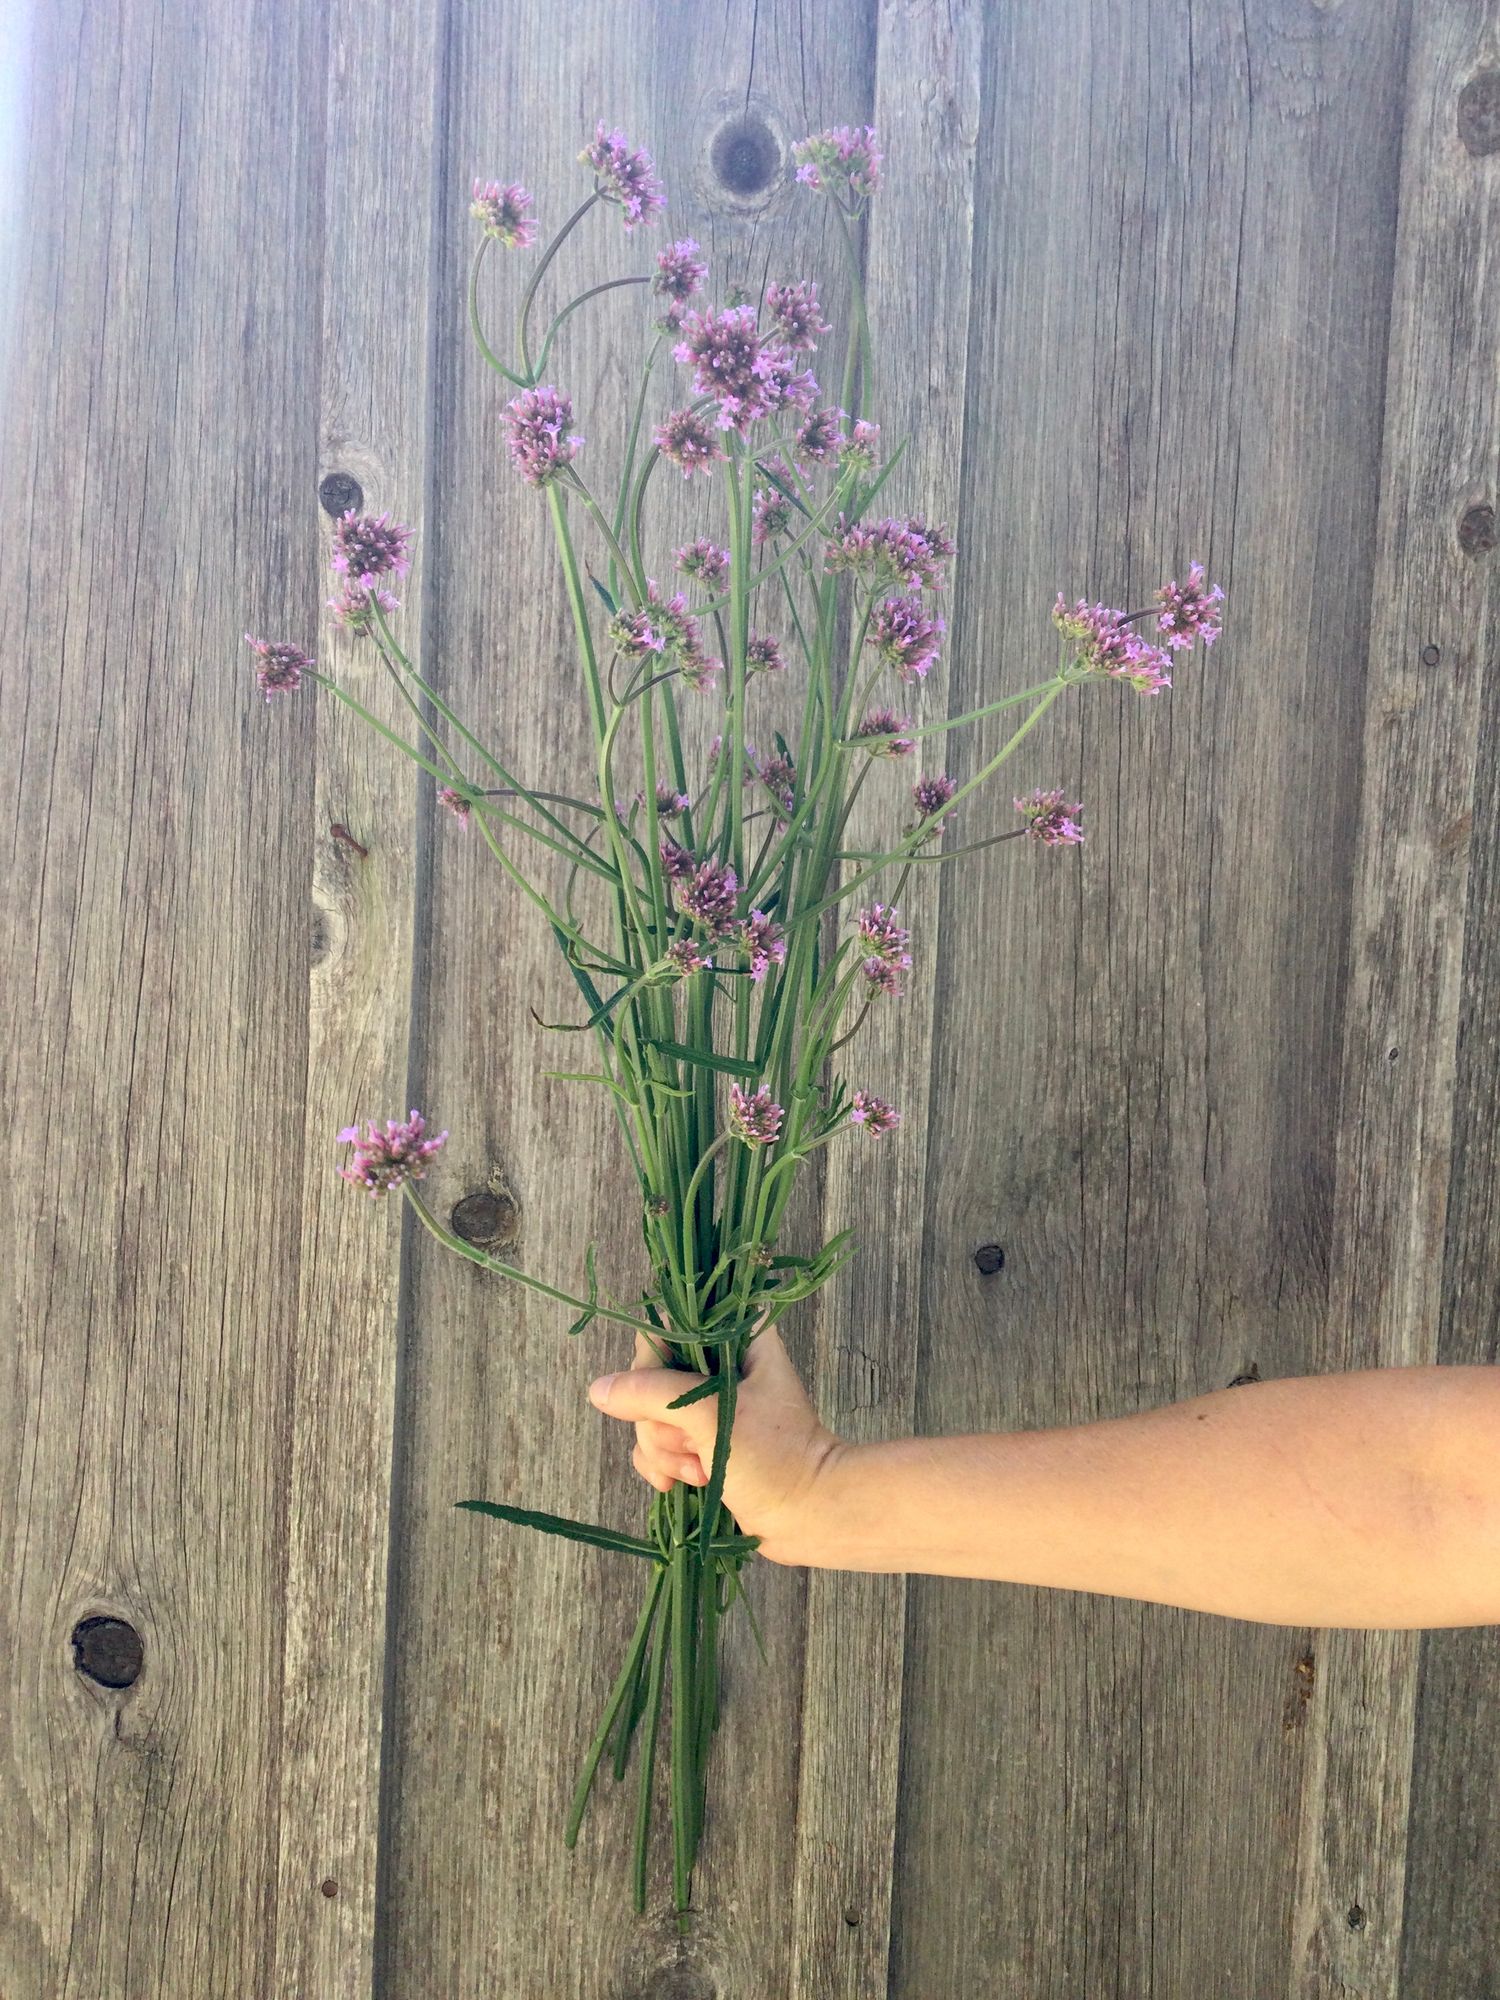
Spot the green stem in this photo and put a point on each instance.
(484, 347)
(617, 1697)
(523, 313)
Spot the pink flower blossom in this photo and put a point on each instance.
(753, 1117)
(366, 546)
(873, 1113)
(1047, 818)
(795, 316)
(280, 667)
(845, 161)
(540, 445)
(383, 1160)
(625, 175)
(1190, 611)
(502, 210)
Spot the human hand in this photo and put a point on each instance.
(778, 1446)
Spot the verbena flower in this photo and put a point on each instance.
(779, 776)
(1104, 643)
(383, 1160)
(354, 606)
(366, 546)
(932, 794)
(1189, 610)
(903, 638)
(765, 942)
(885, 722)
(711, 896)
(625, 175)
(540, 445)
(883, 976)
(820, 437)
(908, 553)
(677, 864)
(873, 1113)
(785, 386)
(883, 937)
(502, 210)
(702, 559)
(753, 1117)
(689, 441)
(1047, 817)
(862, 446)
(456, 803)
(280, 667)
(668, 802)
(763, 654)
(700, 670)
(679, 277)
(729, 361)
(661, 625)
(844, 161)
(686, 958)
(772, 515)
(795, 316)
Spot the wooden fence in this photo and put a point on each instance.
(1211, 1095)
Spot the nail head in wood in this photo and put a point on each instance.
(745, 155)
(339, 492)
(1479, 112)
(330, 1887)
(989, 1258)
(1476, 531)
(108, 1650)
(1430, 656)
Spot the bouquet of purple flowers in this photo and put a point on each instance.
(734, 946)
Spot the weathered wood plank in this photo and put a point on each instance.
(1436, 586)
(507, 1642)
(917, 275)
(1175, 355)
(159, 430)
(376, 268)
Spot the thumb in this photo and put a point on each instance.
(646, 1392)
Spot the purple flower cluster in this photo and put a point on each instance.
(932, 794)
(281, 666)
(366, 546)
(502, 210)
(906, 553)
(689, 441)
(779, 776)
(765, 941)
(680, 272)
(540, 445)
(1104, 643)
(1189, 611)
(885, 943)
(686, 958)
(763, 654)
(711, 895)
(1047, 817)
(821, 437)
(664, 626)
(903, 638)
(456, 803)
(704, 560)
(748, 377)
(625, 175)
(753, 1117)
(772, 515)
(383, 1160)
(845, 161)
(795, 316)
(355, 604)
(873, 1113)
(669, 803)
(862, 446)
(884, 722)
(676, 862)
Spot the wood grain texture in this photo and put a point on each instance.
(917, 277)
(373, 428)
(1411, 904)
(159, 479)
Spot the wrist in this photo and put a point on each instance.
(820, 1531)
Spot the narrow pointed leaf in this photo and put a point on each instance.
(559, 1524)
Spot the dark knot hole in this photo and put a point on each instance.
(745, 155)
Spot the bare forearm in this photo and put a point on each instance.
(1368, 1499)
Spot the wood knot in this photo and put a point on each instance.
(1430, 656)
(487, 1218)
(745, 155)
(989, 1258)
(108, 1650)
(1479, 113)
(339, 492)
(1476, 531)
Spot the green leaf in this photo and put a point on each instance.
(609, 603)
(592, 1313)
(699, 1392)
(589, 1076)
(586, 985)
(715, 1490)
(559, 1524)
(706, 1058)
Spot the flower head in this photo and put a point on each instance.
(932, 794)
(686, 958)
(502, 210)
(700, 670)
(873, 1113)
(383, 1160)
(764, 940)
(903, 638)
(763, 654)
(795, 316)
(779, 776)
(884, 722)
(908, 554)
(711, 897)
(883, 937)
(1047, 817)
(729, 361)
(1189, 611)
(772, 515)
(845, 161)
(820, 437)
(679, 276)
(355, 604)
(280, 667)
(540, 445)
(1104, 643)
(625, 176)
(669, 803)
(786, 386)
(862, 446)
(456, 803)
(703, 560)
(676, 863)
(689, 441)
(661, 625)
(366, 546)
(753, 1117)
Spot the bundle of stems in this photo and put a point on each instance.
(726, 981)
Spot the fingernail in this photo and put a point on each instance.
(599, 1391)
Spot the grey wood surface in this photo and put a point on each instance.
(1219, 1084)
